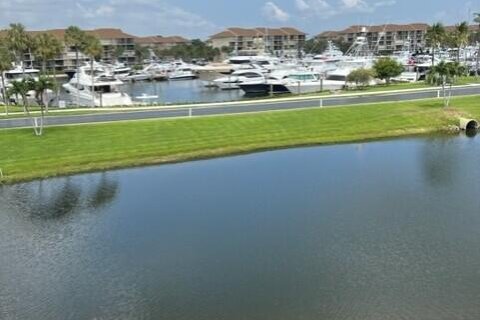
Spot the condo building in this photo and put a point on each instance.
(277, 41)
(386, 37)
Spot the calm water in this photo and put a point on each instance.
(386, 230)
(183, 91)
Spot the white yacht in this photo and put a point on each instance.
(309, 82)
(138, 75)
(120, 70)
(96, 90)
(18, 73)
(234, 80)
(182, 72)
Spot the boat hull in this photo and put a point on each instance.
(263, 88)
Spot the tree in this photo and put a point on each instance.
(118, 53)
(20, 90)
(18, 41)
(75, 38)
(93, 49)
(477, 64)
(435, 36)
(197, 49)
(141, 53)
(460, 37)
(47, 48)
(361, 77)
(5, 65)
(445, 74)
(387, 68)
(341, 44)
(315, 46)
(41, 87)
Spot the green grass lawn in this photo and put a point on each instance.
(72, 149)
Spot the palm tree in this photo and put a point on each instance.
(476, 19)
(5, 65)
(435, 36)
(41, 87)
(19, 42)
(93, 49)
(461, 35)
(75, 38)
(445, 73)
(21, 88)
(47, 48)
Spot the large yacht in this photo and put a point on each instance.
(234, 80)
(18, 73)
(97, 89)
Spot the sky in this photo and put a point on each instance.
(201, 18)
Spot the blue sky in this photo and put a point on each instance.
(200, 18)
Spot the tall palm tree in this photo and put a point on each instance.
(75, 38)
(476, 19)
(461, 36)
(5, 65)
(435, 36)
(19, 42)
(93, 49)
(47, 48)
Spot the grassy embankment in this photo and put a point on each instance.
(73, 149)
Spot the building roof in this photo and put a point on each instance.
(256, 32)
(161, 40)
(101, 33)
(376, 28)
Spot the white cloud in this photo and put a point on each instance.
(317, 8)
(140, 17)
(355, 5)
(302, 5)
(385, 3)
(273, 12)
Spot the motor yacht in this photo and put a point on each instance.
(96, 88)
(234, 80)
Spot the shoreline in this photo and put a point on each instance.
(270, 131)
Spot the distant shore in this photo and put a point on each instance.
(85, 148)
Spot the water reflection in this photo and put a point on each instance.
(441, 160)
(471, 133)
(44, 200)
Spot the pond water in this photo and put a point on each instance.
(383, 230)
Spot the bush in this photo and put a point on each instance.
(361, 77)
(387, 68)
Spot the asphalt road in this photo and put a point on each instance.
(170, 112)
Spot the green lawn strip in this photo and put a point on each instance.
(72, 149)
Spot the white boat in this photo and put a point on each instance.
(234, 80)
(18, 73)
(182, 73)
(309, 82)
(139, 75)
(96, 90)
(121, 71)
